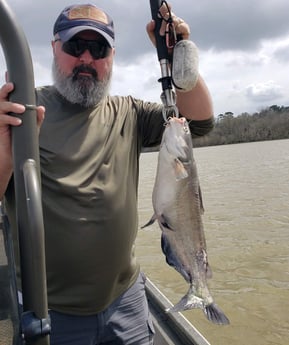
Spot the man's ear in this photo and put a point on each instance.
(53, 47)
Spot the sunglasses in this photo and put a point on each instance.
(76, 47)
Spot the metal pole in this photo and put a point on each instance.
(35, 325)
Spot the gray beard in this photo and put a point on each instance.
(79, 89)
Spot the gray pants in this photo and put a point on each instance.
(125, 321)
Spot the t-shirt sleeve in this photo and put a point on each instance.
(201, 127)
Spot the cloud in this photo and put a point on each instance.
(282, 54)
(223, 25)
(137, 80)
(243, 48)
(281, 50)
(237, 25)
(267, 91)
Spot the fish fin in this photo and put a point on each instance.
(150, 222)
(209, 273)
(163, 221)
(172, 258)
(215, 314)
(201, 200)
(189, 301)
(179, 169)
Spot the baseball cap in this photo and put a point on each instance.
(76, 18)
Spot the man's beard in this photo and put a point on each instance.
(86, 91)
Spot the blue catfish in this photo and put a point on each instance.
(178, 208)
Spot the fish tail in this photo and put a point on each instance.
(189, 301)
(212, 311)
(215, 314)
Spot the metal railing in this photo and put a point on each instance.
(34, 319)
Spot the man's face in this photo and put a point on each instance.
(83, 79)
(68, 62)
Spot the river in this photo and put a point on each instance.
(246, 198)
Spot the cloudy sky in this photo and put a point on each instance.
(243, 48)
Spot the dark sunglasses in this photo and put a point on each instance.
(77, 46)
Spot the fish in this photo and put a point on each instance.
(178, 209)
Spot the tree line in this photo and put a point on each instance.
(271, 123)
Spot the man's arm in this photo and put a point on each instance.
(195, 104)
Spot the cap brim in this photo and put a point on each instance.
(66, 35)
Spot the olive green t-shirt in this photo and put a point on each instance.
(89, 173)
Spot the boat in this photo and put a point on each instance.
(170, 328)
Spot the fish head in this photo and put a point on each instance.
(177, 139)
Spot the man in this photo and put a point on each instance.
(90, 144)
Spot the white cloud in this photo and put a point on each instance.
(247, 74)
(138, 79)
(268, 91)
(246, 81)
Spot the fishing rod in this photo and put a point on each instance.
(178, 59)
(163, 43)
(34, 323)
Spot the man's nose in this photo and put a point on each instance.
(86, 57)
